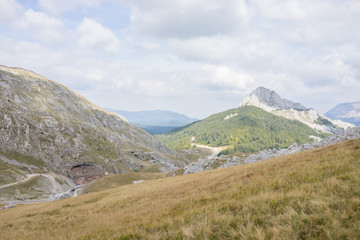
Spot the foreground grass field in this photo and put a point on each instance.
(310, 195)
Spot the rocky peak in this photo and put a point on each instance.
(271, 102)
(266, 98)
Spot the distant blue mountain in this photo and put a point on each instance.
(347, 112)
(155, 121)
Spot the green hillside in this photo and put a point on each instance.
(245, 129)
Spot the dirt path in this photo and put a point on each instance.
(28, 176)
(73, 192)
(76, 190)
(214, 150)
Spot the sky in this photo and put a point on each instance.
(195, 57)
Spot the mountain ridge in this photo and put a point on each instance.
(155, 121)
(56, 125)
(270, 101)
(155, 117)
(347, 112)
(264, 98)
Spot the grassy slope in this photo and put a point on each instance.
(27, 190)
(251, 130)
(309, 195)
(119, 180)
(10, 173)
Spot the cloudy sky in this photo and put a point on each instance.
(195, 57)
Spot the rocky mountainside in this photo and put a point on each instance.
(51, 124)
(347, 112)
(271, 102)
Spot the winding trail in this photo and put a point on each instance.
(28, 176)
(73, 192)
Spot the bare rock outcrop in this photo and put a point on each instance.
(263, 96)
(270, 101)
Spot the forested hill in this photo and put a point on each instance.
(246, 129)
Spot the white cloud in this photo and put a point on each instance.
(9, 10)
(40, 26)
(353, 6)
(310, 23)
(148, 46)
(92, 34)
(216, 48)
(144, 81)
(56, 7)
(226, 78)
(215, 51)
(32, 56)
(288, 10)
(187, 19)
(154, 88)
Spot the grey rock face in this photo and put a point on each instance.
(271, 102)
(46, 120)
(200, 165)
(272, 99)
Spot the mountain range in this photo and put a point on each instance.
(52, 138)
(347, 112)
(155, 121)
(263, 120)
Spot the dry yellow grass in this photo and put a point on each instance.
(310, 195)
(120, 180)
